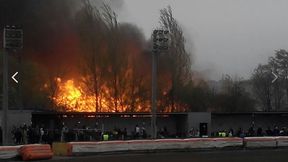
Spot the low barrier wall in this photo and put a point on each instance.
(98, 147)
(7, 152)
(282, 141)
(150, 145)
(62, 149)
(77, 148)
(35, 152)
(256, 142)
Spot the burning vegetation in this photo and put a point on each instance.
(88, 61)
(73, 97)
(115, 66)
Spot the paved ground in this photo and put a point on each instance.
(270, 155)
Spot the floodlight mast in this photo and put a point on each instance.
(12, 39)
(5, 95)
(154, 94)
(158, 37)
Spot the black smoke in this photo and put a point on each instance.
(47, 25)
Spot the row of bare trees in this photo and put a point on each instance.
(113, 61)
(272, 96)
(112, 56)
(113, 64)
(176, 63)
(116, 61)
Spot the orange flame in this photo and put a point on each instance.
(75, 98)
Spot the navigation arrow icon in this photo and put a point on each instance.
(276, 77)
(13, 77)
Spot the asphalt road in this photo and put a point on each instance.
(269, 155)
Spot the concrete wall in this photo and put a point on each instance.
(225, 122)
(173, 123)
(195, 118)
(128, 123)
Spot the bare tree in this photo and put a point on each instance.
(262, 86)
(113, 51)
(178, 59)
(91, 29)
(272, 95)
(234, 95)
(280, 64)
(277, 86)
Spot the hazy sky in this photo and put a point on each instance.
(228, 36)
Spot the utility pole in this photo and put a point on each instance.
(159, 45)
(12, 39)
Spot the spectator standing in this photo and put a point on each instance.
(276, 131)
(269, 132)
(251, 131)
(25, 134)
(197, 134)
(137, 131)
(259, 132)
(231, 132)
(143, 132)
(41, 132)
(124, 134)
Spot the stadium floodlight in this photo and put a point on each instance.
(12, 40)
(13, 37)
(160, 41)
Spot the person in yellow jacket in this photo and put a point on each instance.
(223, 134)
(105, 137)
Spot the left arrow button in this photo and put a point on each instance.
(13, 77)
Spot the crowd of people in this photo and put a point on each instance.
(27, 134)
(252, 132)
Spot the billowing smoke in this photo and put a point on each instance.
(49, 34)
(105, 65)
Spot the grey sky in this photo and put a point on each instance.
(228, 36)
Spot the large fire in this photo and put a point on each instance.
(73, 97)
